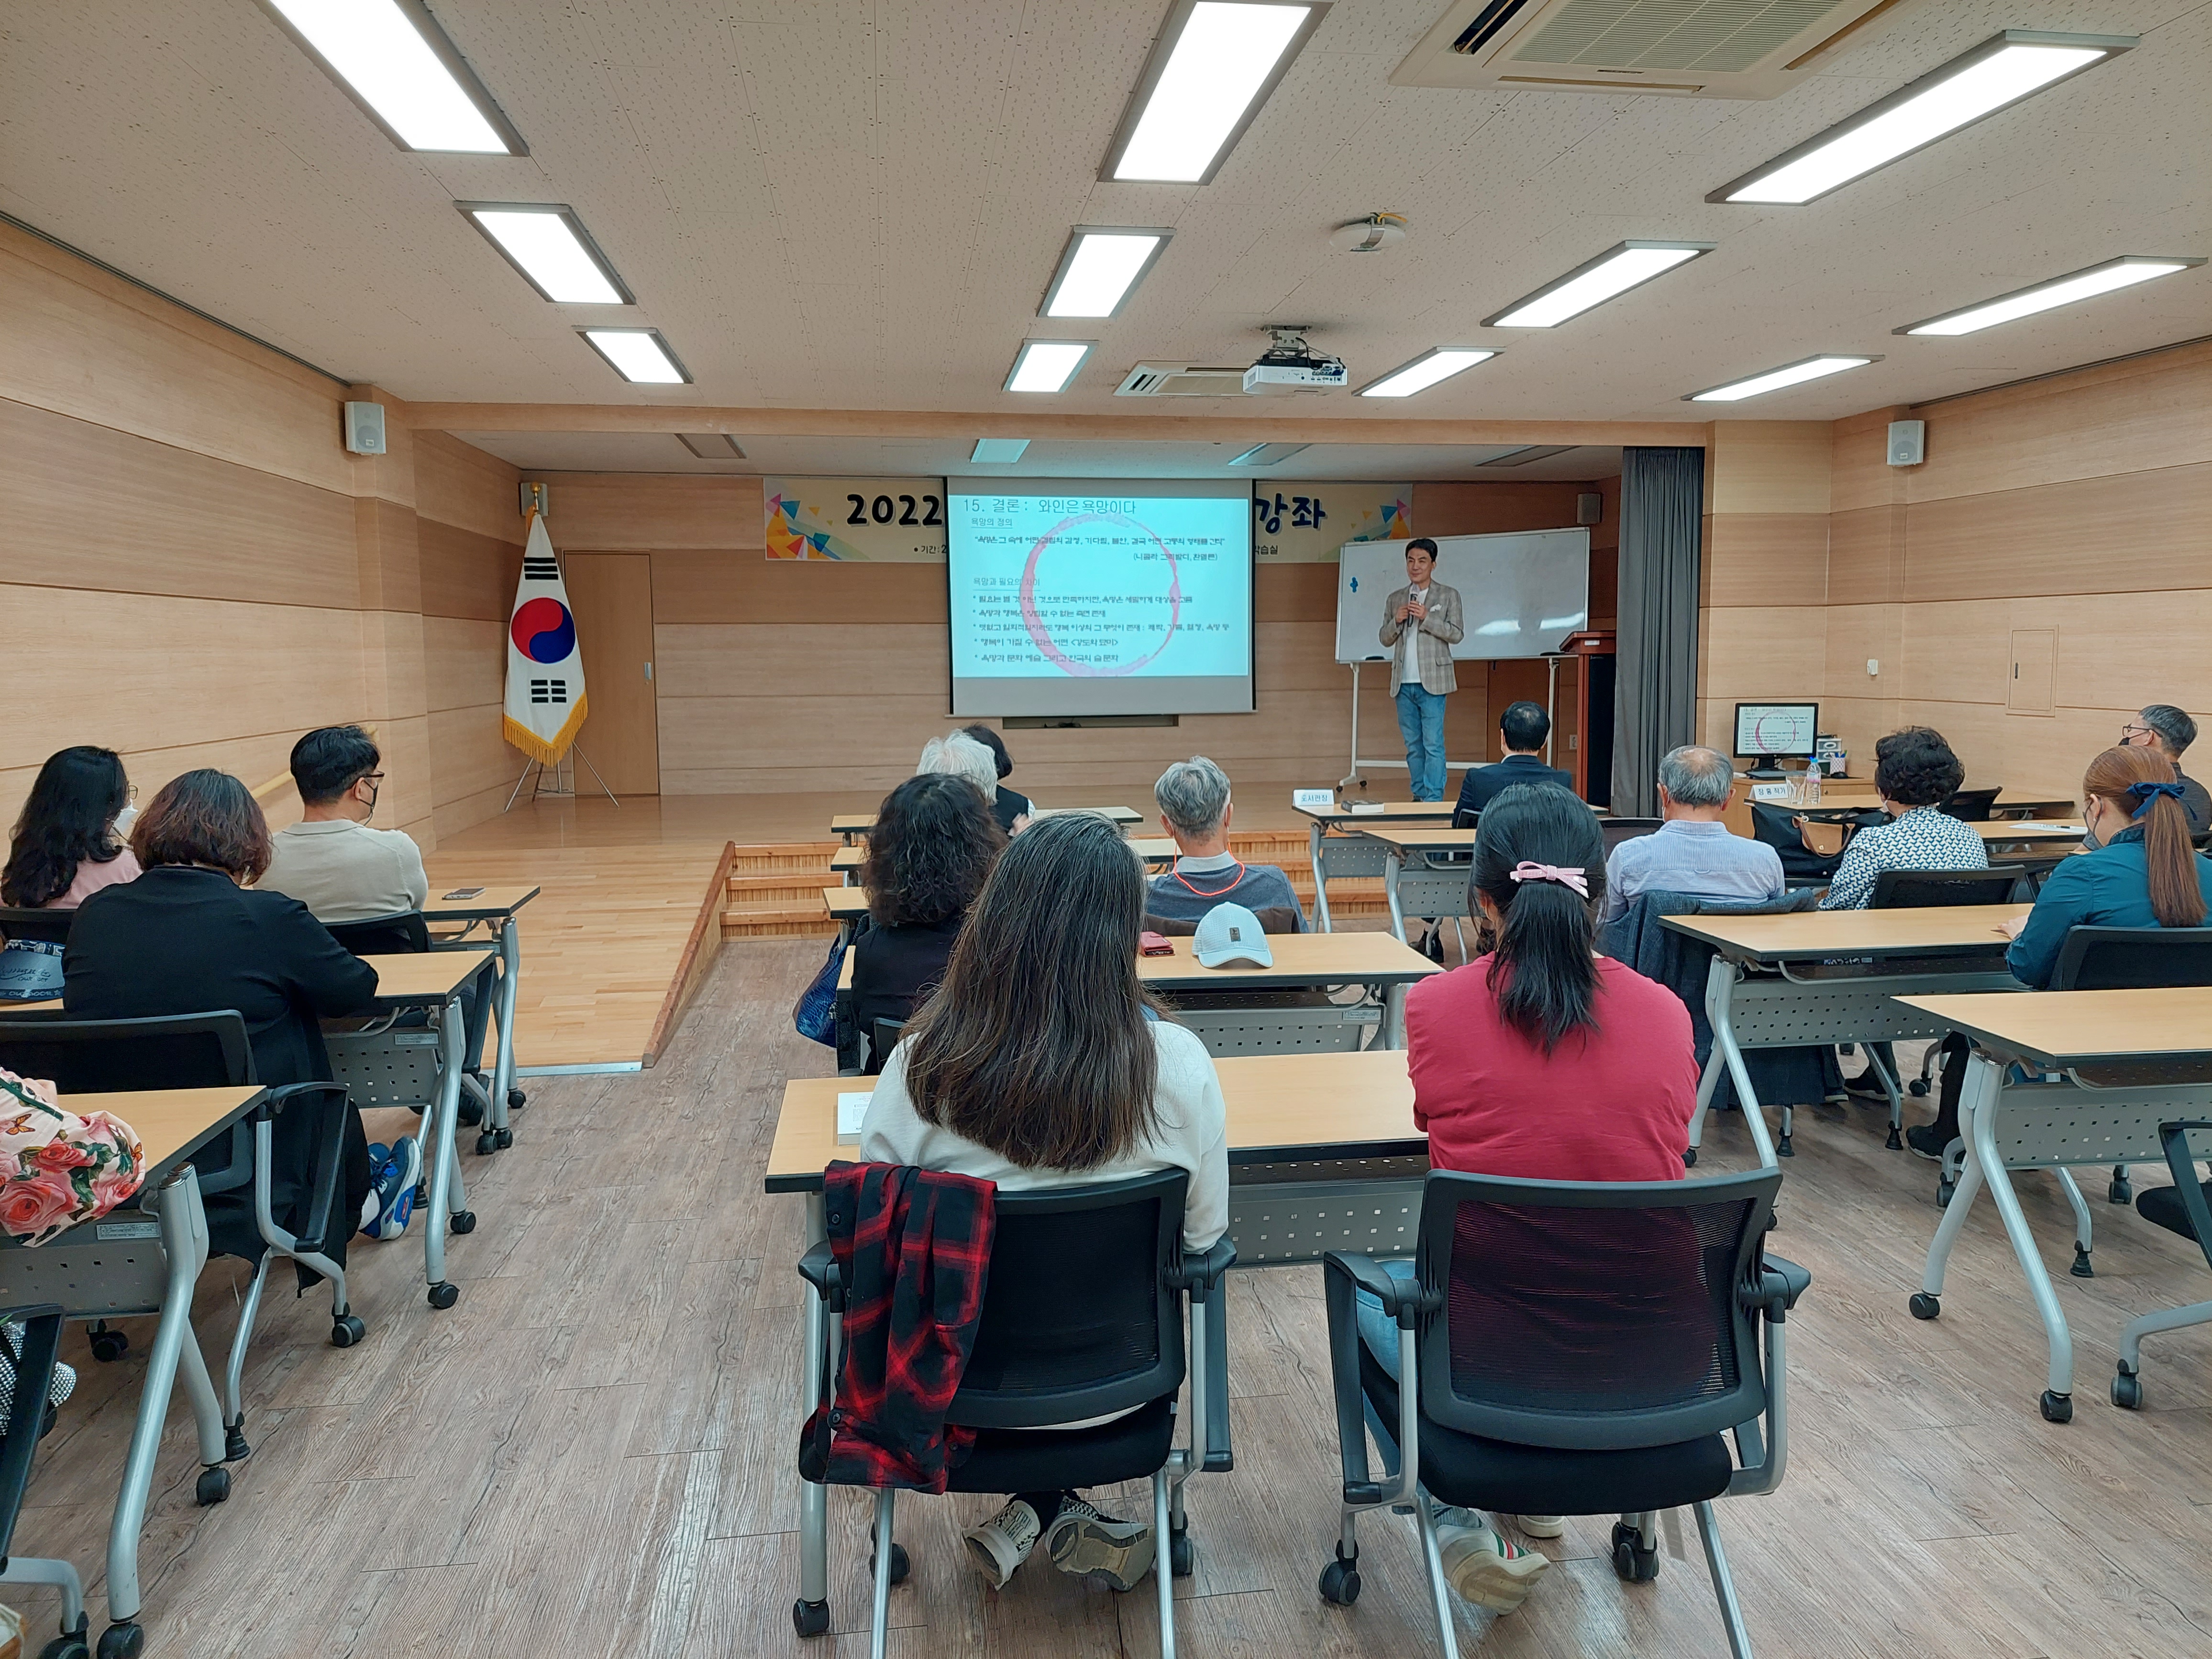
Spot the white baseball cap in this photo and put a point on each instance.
(1230, 933)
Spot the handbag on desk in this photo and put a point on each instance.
(814, 1016)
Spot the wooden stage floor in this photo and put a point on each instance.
(592, 1453)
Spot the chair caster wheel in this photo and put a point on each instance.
(1784, 1149)
(1918, 1088)
(107, 1347)
(346, 1330)
(1925, 1306)
(461, 1221)
(1943, 1192)
(126, 1641)
(900, 1566)
(810, 1618)
(1690, 1158)
(1183, 1558)
(233, 1442)
(213, 1487)
(1340, 1581)
(2057, 1407)
(2081, 1269)
(471, 1113)
(69, 1645)
(1636, 1564)
(2121, 1191)
(487, 1142)
(444, 1295)
(1895, 1143)
(503, 1137)
(2126, 1391)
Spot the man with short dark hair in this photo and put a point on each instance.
(1421, 624)
(2167, 729)
(1524, 727)
(331, 861)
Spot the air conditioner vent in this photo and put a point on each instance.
(1181, 380)
(1685, 48)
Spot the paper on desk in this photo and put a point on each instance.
(851, 1109)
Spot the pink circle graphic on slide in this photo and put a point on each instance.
(1035, 622)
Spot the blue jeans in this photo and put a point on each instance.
(1421, 722)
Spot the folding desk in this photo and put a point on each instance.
(2030, 832)
(493, 909)
(849, 824)
(1810, 977)
(420, 1067)
(847, 861)
(845, 906)
(121, 1265)
(1345, 855)
(1438, 859)
(2118, 1064)
(1323, 1156)
(1380, 964)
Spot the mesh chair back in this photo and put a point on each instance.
(2132, 958)
(883, 1037)
(402, 933)
(1970, 805)
(113, 1056)
(1592, 1316)
(34, 1363)
(1921, 890)
(47, 926)
(1078, 1318)
(1617, 830)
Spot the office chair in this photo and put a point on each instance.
(31, 967)
(1083, 1315)
(1970, 805)
(1570, 1348)
(28, 1418)
(881, 1040)
(1617, 830)
(2180, 1208)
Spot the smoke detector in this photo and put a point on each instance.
(1371, 234)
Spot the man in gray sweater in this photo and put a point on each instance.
(1193, 802)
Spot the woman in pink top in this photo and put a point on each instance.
(65, 848)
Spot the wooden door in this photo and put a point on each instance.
(612, 595)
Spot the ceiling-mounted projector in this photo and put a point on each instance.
(1292, 365)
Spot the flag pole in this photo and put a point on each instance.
(577, 749)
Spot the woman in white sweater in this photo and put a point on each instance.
(1042, 1062)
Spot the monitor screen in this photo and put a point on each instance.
(1096, 597)
(1776, 729)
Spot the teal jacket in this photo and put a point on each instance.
(2108, 888)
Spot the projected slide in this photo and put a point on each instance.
(1096, 598)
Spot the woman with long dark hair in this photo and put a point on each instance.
(64, 848)
(933, 842)
(1042, 1062)
(1543, 1060)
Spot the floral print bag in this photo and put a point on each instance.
(57, 1169)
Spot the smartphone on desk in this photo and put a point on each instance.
(1150, 944)
(464, 893)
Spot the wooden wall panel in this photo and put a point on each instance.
(2137, 531)
(1768, 466)
(650, 512)
(465, 574)
(1859, 474)
(1479, 507)
(1765, 559)
(459, 484)
(1866, 555)
(465, 663)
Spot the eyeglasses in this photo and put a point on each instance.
(133, 796)
(370, 777)
(2127, 731)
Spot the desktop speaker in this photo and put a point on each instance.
(364, 429)
(1908, 442)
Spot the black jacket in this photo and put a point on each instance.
(894, 968)
(1483, 782)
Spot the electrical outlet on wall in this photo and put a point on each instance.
(1874, 666)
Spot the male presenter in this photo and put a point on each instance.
(1422, 620)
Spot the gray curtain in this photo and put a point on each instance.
(1656, 672)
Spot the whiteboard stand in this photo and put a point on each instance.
(1359, 765)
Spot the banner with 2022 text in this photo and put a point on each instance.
(857, 520)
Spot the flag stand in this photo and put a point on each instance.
(576, 750)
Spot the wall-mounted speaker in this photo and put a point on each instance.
(364, 429)
(1908, 442)
(1589, 507)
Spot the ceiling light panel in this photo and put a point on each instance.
(1047, 365)
(549, 245)
(393, 60)
(1996, 74)
(1811, 368)
(638, 354)
(1213, 66)
(1100, 268)
(2124, 272)
(999, 452)
(1426, 371)
(1608, 276)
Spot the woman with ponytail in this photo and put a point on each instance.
(1542, 1060)
(2140, 870)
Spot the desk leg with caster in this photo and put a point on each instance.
(1314, 835)
(445, 1184)
(1392, 863)
(809, 1614)
(504, 1094)
(184, 1244)
(1720, 997)
(1393, 1017)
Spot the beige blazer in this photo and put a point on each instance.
(1440, 630)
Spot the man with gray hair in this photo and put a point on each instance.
(1194, 808)
(2168, 730)
(1693, 852)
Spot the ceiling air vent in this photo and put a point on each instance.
(1181, 380)
(1675, 48)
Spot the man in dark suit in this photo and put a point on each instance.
(1524, 726)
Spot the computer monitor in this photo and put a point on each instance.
(1767, 732)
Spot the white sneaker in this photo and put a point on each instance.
(1084, 1542)
(1004, 1542)
(1540, 1526)
(1483, 1567)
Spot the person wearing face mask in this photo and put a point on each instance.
(2138, 870)
(331, 861)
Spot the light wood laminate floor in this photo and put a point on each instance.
(591, 1454)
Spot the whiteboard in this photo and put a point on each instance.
(1520, 594)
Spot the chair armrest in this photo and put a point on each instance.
(1780, 1283)
(277, 1099)
(1342, 1275)
(1401, 1298)
(1198, 1270)
(819, 1268)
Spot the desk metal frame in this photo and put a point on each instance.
(1349, 855)
(507, 946)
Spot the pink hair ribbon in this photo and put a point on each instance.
(1527, 869)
